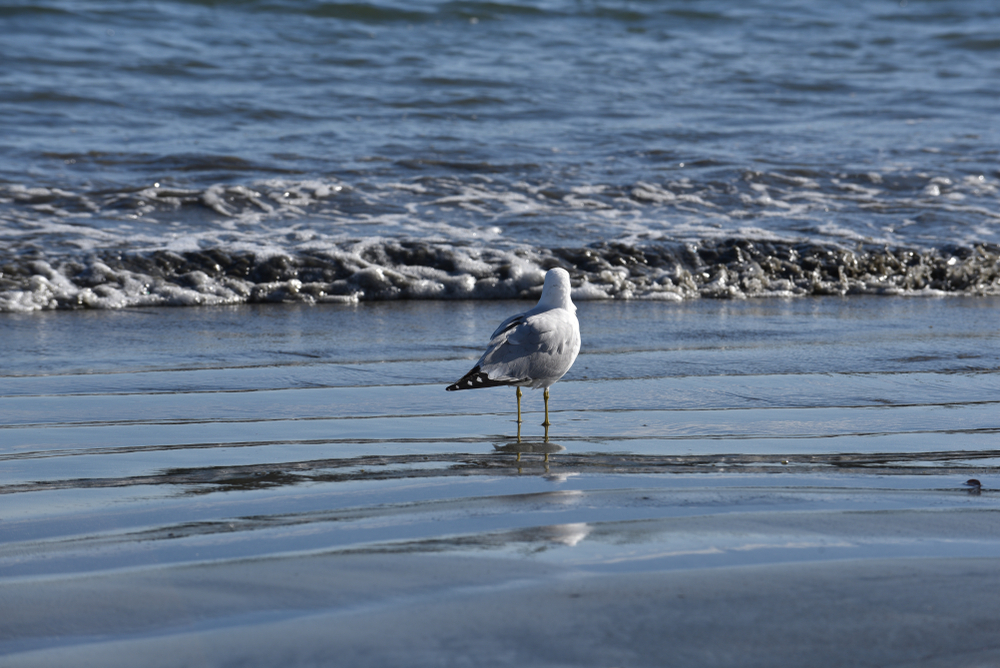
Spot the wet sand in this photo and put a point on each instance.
(392, 610)
(777, 483)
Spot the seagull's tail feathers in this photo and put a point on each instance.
(476, 379)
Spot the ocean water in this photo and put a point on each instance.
(185, 153)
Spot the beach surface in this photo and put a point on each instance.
(769, 482)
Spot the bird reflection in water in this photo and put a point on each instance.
(531, 447)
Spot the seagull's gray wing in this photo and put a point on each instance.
(508, 324)
(478, 377)
(537, 347)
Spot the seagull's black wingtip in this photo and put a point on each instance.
(473, 380)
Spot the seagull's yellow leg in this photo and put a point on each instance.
(518, 410)
(518, 436)
(546, 395)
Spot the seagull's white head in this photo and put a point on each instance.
(556, 291)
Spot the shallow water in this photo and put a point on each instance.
(154, 455)
(255, 400)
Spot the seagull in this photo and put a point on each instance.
(531, 349)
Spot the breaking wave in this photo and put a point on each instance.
(379, 269)
(475, 234)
